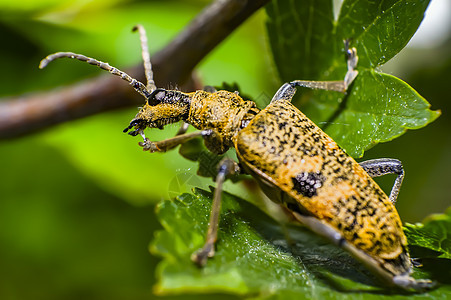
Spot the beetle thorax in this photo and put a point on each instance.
(224, 112)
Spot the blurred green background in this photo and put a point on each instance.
(77, 201)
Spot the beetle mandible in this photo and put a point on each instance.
(296, 164)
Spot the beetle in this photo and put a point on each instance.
(295, 163)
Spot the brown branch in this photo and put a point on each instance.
(172, 65)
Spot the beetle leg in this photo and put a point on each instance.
(183, 128)
(164, 145)
(352, 64)
(384, 166)
(226, 167)
(287, 91)
(334, 236)
(402, 280)
(210, 89)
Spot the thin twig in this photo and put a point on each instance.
(172, 65)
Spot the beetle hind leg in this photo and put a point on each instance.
(226, 167)
(403, 281)
(384, 166)
(406, 282)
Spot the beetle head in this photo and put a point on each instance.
(162, 107)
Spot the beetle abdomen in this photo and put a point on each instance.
(283, 147)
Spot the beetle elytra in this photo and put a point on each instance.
(295, 163)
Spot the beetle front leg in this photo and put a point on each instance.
(164, 145)
(384, 166)
(182, 130)
(226, 167)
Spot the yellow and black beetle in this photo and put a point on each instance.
(296, 164)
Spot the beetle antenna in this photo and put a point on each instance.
(137, 85)
(146, 57)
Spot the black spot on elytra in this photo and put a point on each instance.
(307, 183)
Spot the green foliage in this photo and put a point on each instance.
(308, 44)
(254, 257)
(76, 201)
(67, 241)
(434, 234)
(68, 225)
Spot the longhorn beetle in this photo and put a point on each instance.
(295, 163)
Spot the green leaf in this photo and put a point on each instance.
(379, 29)
(378, 108)
(195, 150)
(434, 234)
(62, 235)
(300, 32)
(255, 259)
(307, 44)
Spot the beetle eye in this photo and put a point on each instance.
(156, 97)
